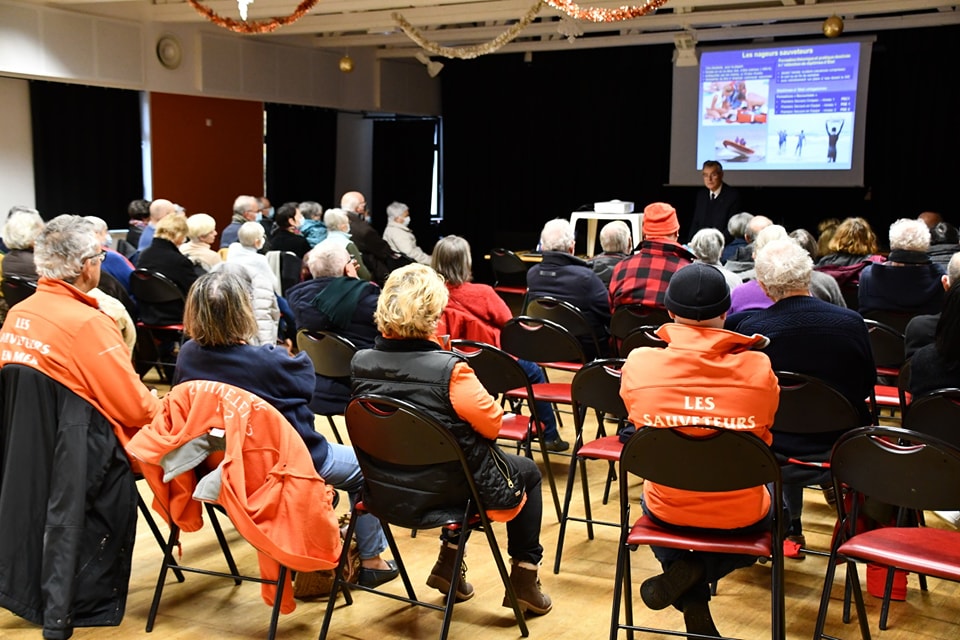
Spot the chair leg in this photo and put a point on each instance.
(887, 593)
(333, 425)
(275, 615)
(505, 578)
(611, 476)
(338, 583)
(145, 510)
(161, 579)
(567, 496)
(587, 508)
(222, 539)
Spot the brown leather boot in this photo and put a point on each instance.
(526, 584)
(439, 577)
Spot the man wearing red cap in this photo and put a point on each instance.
(642, 278)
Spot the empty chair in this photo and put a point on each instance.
(918, 472)
(936, 414)
(644, 336)
(509, 272)
(381, 430)
(160, 328)
(570, 318)
(627, 318)
(596, 386)
(887, 345)
(330, 354)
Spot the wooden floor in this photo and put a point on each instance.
(205, 608)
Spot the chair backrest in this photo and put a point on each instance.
(887, 344)
(564, 314)
(505, 262)
(329, 352)
(152, 287)
(899, 467)
(15, 289)
(722, 460)
(381, 431)
(810, 405)
(643, 336)
(290, 268)
(597, 386)
(936, 414)
(540, 340)
(497, 371)
(628, 318)
(896, 320)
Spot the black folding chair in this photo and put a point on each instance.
(15, 289)
(330, 354)
(158, 297)
(381, 430)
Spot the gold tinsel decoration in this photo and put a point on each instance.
(254, 26)
(595, 14)
(468, 53)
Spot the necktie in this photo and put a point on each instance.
(713, 196)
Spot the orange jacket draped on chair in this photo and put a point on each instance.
(267, 482)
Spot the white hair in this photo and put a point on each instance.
(249, 234)
(200, 224)
(737, 224)
(755, 226)
(782, 266)
(910, 235)
(327, 259)
(63, 245)
(396, 209)
(336, 218)
(22, 229)
(767, 235)
(707, 244)
(615, 237)
(953, 269)
(557, 235)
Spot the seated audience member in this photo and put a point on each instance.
(937, 365)
(944, 242)
(736, 228)
(201, 232)
(220, 324)
(338, 230)
(312, 228)
(86, 351)
(616, 244)
(707, 245)
(825, 230)
(907, 282)
(245, 209)
(566, 277)
(19, 233)
(810, 336)
(642, 278)
(139, 212)
(851, 247)
(163, 256)
(398, 234)
(159, 209)
(114, 263)
(286, 232)
(742, 260)
(245, 253)
(264, 302)
(700, 359)
(378, 255)
(752, 296)
(334, 300)
(475, 312)
(408, 363)
(930, 218)
(267, 217)
(921, 330)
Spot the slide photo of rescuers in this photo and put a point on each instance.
(816, 138)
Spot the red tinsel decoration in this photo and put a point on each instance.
(595, 14)
(255, 26)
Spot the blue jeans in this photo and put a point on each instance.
(544, 410)
(342, 470)
(716, 565)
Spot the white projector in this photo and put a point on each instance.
(613, 206)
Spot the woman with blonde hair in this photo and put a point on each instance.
(201, 232)
(407, 363)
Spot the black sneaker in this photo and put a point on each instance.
(556, 446)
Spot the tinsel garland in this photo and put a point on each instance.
(255, 26)
(594, 14)
(466, 53)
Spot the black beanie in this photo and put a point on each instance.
(698, 292)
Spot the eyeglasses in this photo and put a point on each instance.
(101, 256)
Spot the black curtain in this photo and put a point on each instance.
(301, 154)
(86, 150)
(403, 171)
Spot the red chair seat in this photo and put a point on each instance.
(646, 532)
(888, 396)
(519, 291)
(514, 427)
(924, 550)
(607, 448)
(891, 372)
(552, 392)
(165, 327)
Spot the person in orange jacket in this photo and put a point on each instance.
(711, 377)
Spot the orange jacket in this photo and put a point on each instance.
(269, 486)
(704, 376)
(60, 331)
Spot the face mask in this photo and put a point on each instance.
(270, 212)
(259, 217)
(406, 221)
(367, 219)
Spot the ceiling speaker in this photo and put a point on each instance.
(168, 52)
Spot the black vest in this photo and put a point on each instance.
(422, 378)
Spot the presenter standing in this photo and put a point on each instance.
(716, 203)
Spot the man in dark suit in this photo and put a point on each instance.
(379, 256)
(717, 203)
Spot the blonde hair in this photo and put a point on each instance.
(854, 236)
(200, 224)
(172, 227)
(411, 302)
